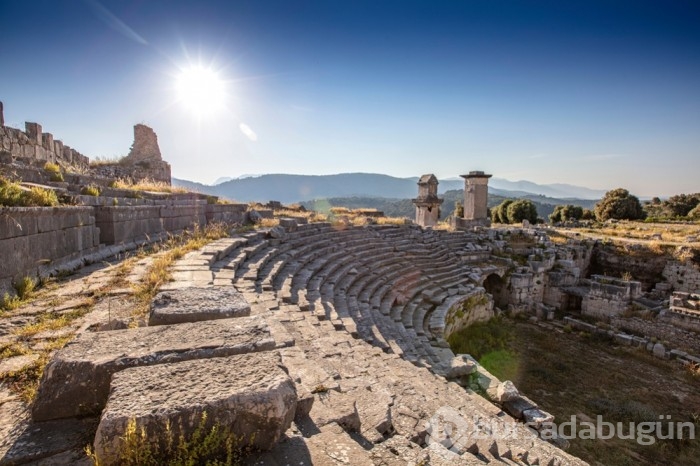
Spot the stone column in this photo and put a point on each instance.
(427, 203)
(2, 115)
(476, 190)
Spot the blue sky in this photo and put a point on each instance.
(603, 94)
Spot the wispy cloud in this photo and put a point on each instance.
(107, 17)
(249, 133)
(536, 156)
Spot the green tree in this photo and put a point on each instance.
(562, 213)
(499, 214)
(619, 204)
(681, 204)
(522, 209)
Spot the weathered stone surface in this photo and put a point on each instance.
(197, 304)
(659, 351)
(459, 367)
(506, 391)
(277, 232)
(336, 407)
(254, 216)
(76, 380)
(536, 417)
(52, 443)
(250, 394)
(517, 406)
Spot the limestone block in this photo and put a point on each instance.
(506, 391)
(76, 380)
(289, 224)
(197, 304)
(336, 407)
(459, 367)
(277, 232)
(536, 417)
(251, 395)
(516, 407)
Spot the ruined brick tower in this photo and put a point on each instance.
(145, 155)
(427, 203)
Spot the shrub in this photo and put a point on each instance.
(522, 209)
(54, 170)
(12, 194)
(562, 213)
(39, 197)
(459, 210)
(619, 204)
(90, 190)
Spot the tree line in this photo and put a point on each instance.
(617, 204)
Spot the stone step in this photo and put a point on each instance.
(82, 369)
(249, 395)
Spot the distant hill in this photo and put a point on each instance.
(405, 208)
(296, 188)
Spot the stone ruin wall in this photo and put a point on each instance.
(33, 147)
(609, 296)
(682, 277)
(144, 162)
(33, 240)
(40, 241)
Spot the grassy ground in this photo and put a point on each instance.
(572, 375)
(669, 233)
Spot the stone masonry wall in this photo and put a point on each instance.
(682, 277)
(37, 238)
(33, 147)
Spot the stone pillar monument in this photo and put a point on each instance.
(427, 203)
(2, 116)
(476, 190)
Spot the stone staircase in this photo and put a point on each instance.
(339, 336)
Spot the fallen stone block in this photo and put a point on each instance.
(76, 381)
(536, 417)
(517, 406)
(248, 396)
(506, 391)
(197, 304)
(459, 367)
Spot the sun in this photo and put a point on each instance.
(201, 90)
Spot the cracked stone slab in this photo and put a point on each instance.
(250, 394)
(76, 381)
(197, 304)
(51, 442)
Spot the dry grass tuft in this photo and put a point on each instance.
(147, 185)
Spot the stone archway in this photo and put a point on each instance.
(497, 287)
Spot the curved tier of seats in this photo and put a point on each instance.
(379, 283)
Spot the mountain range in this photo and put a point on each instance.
(297, 188)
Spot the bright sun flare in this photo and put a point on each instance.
(201, 90)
